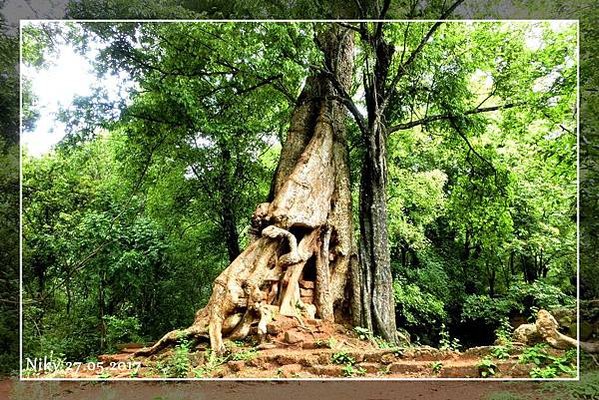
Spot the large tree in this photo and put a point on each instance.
(303, 235)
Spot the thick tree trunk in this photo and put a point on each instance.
(229, 225)
(376, 309)
(377, 304)
(303, 236)
(228, 220)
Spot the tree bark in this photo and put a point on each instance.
(376, 304)
(304, 232)
(228, 219)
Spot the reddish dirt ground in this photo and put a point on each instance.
(314, 350)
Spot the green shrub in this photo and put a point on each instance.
(538, 294)
(418, 308)
(500, 352)
(178, 364)
(521, 298)
(543, 373)
(341, 357)
(350, 370)
(121, 330)
(363, 333)
(436, 367)
(486, 367)
(548, 365)
(482, 307)
(504, 332)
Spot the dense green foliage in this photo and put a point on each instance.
(130, 218)
(589, 151)
(482, 207)
(9, 198)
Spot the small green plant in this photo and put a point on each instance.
(28, 373)
(385, 370)
(566, 363)
(500, 352)
(446, 342)
(350, 370)
(104, 375)
(341, 357)
(161, 369)
(382, 343)
(210, 365)
(536, 354)
(363, 333)
(544, 373)
(366, 334)
(244, 355)
(436, 367)
(180, 363)
(548, 365)
(486, 367)
(504, 333)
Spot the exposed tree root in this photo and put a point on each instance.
(546, 329)
(243, 293)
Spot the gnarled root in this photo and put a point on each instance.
(546, 328)
(267, 313)
(244, 292)
(170, 339)
(274, 232)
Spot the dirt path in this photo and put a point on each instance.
(263, 390)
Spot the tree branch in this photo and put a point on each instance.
(360, 8)
(379, 27)
(345, 99)
(439, 117)
(402, 69)
(472, 149)
(386, 5)
(349, 26)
